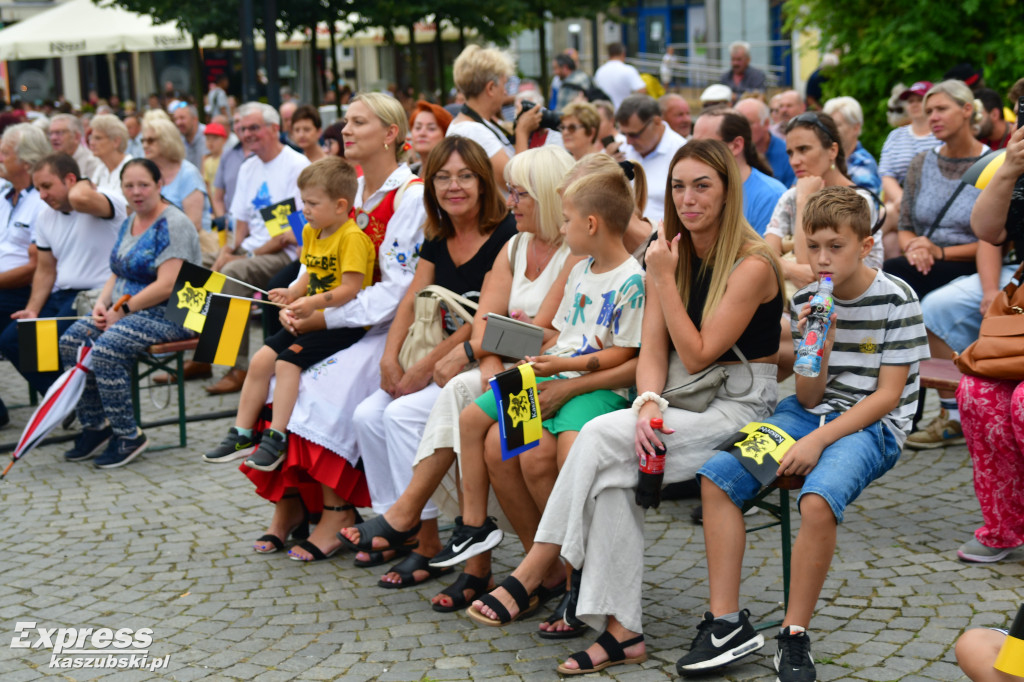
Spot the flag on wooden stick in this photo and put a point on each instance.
(515, 391)
(221, 338)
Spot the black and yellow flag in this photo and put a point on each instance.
(222, 333)
(1011, 656)
(190, 299)
(759, 447)
(37, 346)
(515, 391)
(283, 217)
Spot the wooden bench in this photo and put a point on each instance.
(938, 374)
(170, 358)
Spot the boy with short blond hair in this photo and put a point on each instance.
(599, 322)
(849, 424)
(337, 261)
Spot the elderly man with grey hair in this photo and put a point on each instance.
(742, 77)
(652, 144)
(861, 167)
(22, 146)
(193, 133)
(266, 178)
(66, 135)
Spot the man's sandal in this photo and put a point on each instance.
(314, 551)
(566, 610)
(300, 531)
(527, 604)
(378, 527)
(457, 592)
(616, 655)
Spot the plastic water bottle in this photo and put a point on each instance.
(808, 355)
(652, 473)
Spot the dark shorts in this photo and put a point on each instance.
(306, 350)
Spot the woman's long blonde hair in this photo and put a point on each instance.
(736, 239)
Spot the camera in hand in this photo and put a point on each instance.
(548, 119)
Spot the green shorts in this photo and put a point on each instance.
(573, 415)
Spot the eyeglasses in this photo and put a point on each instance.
(516, 195)
(59, 133)
(149, 140)
(639, 132)
(569, 128)
(811, 118)
(251, 129)
(462, 180)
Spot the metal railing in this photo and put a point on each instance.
(702, 71)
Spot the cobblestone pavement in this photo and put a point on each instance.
(165, 543)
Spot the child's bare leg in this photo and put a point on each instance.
(286, 392)
(565, 441)
(473, 426)
(511, 489)
(254, 390)
(540, 469)
(976, 653)
(812, 554)
(724, 539)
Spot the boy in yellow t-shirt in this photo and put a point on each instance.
(338, 262)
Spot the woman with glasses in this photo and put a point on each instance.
(319, 474)
(526, 282)
(816, 156)
(467, 226)
(580, 123)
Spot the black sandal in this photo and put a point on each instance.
(299, 531)
(457, 592)
(378, 527)
(406, 569)
(566, 610)
(616, 655)
(317, 553)
(527, 604)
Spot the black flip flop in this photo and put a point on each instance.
(406, 570)
(456, 591)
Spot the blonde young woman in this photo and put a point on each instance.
(700, 274)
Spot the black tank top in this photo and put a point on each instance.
(759, 339)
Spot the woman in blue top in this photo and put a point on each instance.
(150, 249)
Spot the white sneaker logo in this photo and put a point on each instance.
(459, 548)
(719, 642)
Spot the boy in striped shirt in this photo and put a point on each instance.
(849, 424)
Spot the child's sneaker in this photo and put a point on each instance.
(937, 433)
(468, 541)
(121, 450)
(793, 659)
(271, 452)
(974, 551)
(718, 643)
(232, 447)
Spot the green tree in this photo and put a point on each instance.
(888, 41)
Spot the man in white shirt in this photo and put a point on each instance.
(66, 135)
(75, 230)
(651, 143)
(617, 78)
(266, 178)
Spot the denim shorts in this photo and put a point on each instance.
(845, 468)
(952, 312)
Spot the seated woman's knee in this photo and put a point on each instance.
(539, 462)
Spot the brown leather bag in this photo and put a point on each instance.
(999, 351)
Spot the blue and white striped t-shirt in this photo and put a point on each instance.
(899, 149)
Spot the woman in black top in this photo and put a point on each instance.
(467, 225)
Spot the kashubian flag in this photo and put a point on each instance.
(190, 299)
(1011, 656)
(37, 346)
(515, 392)
(282, 217)
(222, 334)
(759, 447)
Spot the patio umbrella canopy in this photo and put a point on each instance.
(80, 27)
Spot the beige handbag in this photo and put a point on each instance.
(427, 329)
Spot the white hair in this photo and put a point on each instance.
(267, 112)
(739, 45)
(847, 107)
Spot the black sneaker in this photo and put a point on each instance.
(233, 447)
(793, 658)
(88, 443)
(271, 452)
(468, 541)
(718, 643)
(122, 450)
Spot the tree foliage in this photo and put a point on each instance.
(889, 41)
(198, 17)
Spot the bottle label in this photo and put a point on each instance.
(652, 464)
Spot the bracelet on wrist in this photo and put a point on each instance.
(649, 397)
(468, 348)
